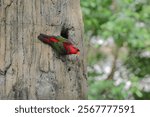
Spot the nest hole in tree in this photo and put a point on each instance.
(65, 32)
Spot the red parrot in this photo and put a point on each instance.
(60, 44)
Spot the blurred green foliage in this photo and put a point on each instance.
(106, 90)
(128, 23)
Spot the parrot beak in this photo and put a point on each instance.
(78, 53)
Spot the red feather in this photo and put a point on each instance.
(49, 40)
(69, 47)
(53, 39)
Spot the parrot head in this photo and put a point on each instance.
(71, 49)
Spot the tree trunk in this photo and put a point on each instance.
(30, 69)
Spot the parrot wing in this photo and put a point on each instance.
(62, 39)
(59, 48)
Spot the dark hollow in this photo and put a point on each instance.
(64, 32)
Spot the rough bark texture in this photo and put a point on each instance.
(30, 69)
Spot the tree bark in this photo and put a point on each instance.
(30, 69)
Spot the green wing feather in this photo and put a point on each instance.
(61, 39)
(58, 46)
